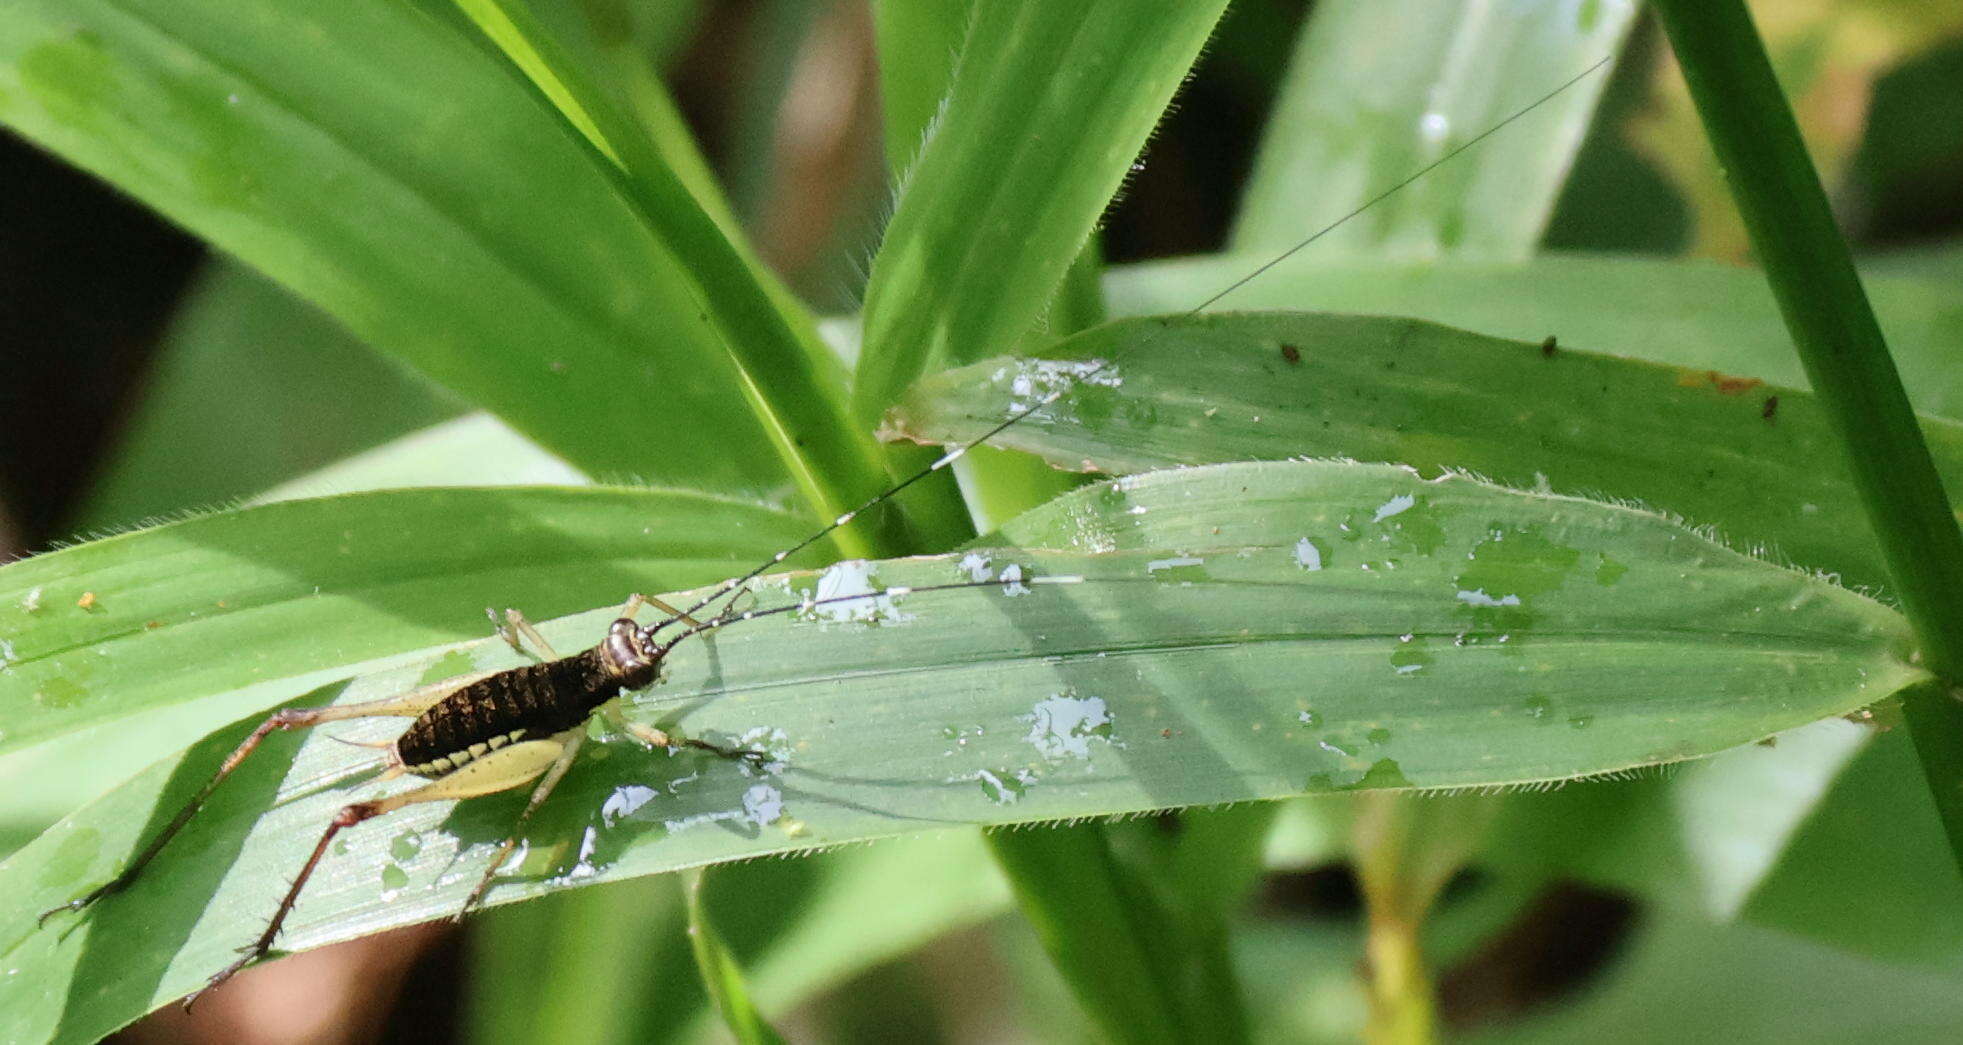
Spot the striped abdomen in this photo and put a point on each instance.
(533, 701)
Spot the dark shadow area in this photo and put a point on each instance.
(1905, 184)
(425, 1012)
(1185, 191)
(1328, 892)
(1562, 943)
(91, 280)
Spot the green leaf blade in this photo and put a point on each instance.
(1757, 461)
(1686, 313)
(1163, 682)
(1050, 102)
(1354, 116)
(237, 599)
(372, 172)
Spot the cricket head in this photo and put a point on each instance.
(631, 653)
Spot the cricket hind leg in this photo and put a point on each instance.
(404, 705)
(501, 770)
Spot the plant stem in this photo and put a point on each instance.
(1834, 330)
(1407, 848)
(1401, 1010)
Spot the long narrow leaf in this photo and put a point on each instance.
(1837, 338)
(1440, 634)
(781, 370)
(1758, 461)
(392, 172)
(1355, 115)
(1688, 313)
(1049, 102)
(104, 630)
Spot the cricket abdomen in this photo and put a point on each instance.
(533, 701)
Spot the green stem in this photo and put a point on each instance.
(1833, 328)
(775, 362)
(1069, 886)
(1401, 1010)
(721, 976)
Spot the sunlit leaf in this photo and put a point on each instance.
(1242, 632)
(1757, 461)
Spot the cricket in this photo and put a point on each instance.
(496, 731)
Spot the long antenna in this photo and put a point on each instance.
(727, 618)
(1016, 418)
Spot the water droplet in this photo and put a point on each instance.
(836, 598)
(1478, 597)
(1609, 571)
(763, 804)
(1410, 656)
(975, 565)
(1538, 707)
(627, 798)
(1581, 721)
(1307, 555)
(405, 846)
(1064, 724)
(447, 666)
(1011, 578)
(59, 693)
(1379, 736)
(1433, 127)
(1395, 506)
(1004, 787)
(394, 880)
(1310, 719)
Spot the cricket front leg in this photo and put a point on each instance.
(657, 738)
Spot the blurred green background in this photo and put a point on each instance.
(123, 342)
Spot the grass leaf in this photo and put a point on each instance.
(1454, 635)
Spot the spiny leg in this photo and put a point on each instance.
(501, 770)
(571, 740)
(405, 705)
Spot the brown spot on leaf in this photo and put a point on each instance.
(1726, 384)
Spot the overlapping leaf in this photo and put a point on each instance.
(1242, 632)
(288, 591)
(1755, 460)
